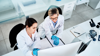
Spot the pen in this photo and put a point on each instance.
(77, 32)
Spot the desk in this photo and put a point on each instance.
(41, 5)
(44, 44)
(68, 37)
(14, 53)
(93, 49)
(18, 52)
(86, 26)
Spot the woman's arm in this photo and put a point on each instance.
(22, 46)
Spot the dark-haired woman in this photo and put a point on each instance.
(27, 38)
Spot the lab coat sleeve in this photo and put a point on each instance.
(22, 46)
(60, 29)
(47, 29)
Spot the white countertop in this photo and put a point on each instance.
(41, 6)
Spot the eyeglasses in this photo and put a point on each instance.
(54, 18)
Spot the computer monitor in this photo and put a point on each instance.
(65, 50)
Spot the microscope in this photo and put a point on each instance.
(92, 33)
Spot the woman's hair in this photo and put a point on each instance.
(53, 11)
(29, 22)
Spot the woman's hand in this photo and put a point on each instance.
(32, 52)
(35, 50)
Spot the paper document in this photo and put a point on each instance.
(77, 31)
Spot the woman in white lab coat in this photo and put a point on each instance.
(52, 25)
(27, 38)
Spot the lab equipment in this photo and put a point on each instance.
(65, 50)
(92, 24)
(98, 25)
(93, 33)
(99, 38)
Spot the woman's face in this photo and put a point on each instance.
(33, 28)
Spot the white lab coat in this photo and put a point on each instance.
(47, 29)
(26, 44)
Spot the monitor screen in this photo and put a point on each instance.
(65, 50)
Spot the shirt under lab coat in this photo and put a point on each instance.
(46, 28)
(26, 44)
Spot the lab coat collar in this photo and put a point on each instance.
(29, 41)
(57, 23)
(52, 23)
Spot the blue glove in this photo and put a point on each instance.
(35, 50)
(56, 40)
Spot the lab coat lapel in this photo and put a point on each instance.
(51, 24)
(33, 36)
(28, 39)
(57, 23)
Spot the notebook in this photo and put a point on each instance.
(77, 31)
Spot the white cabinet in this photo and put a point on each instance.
(95, 4)
(68, 9)
(82, 1)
